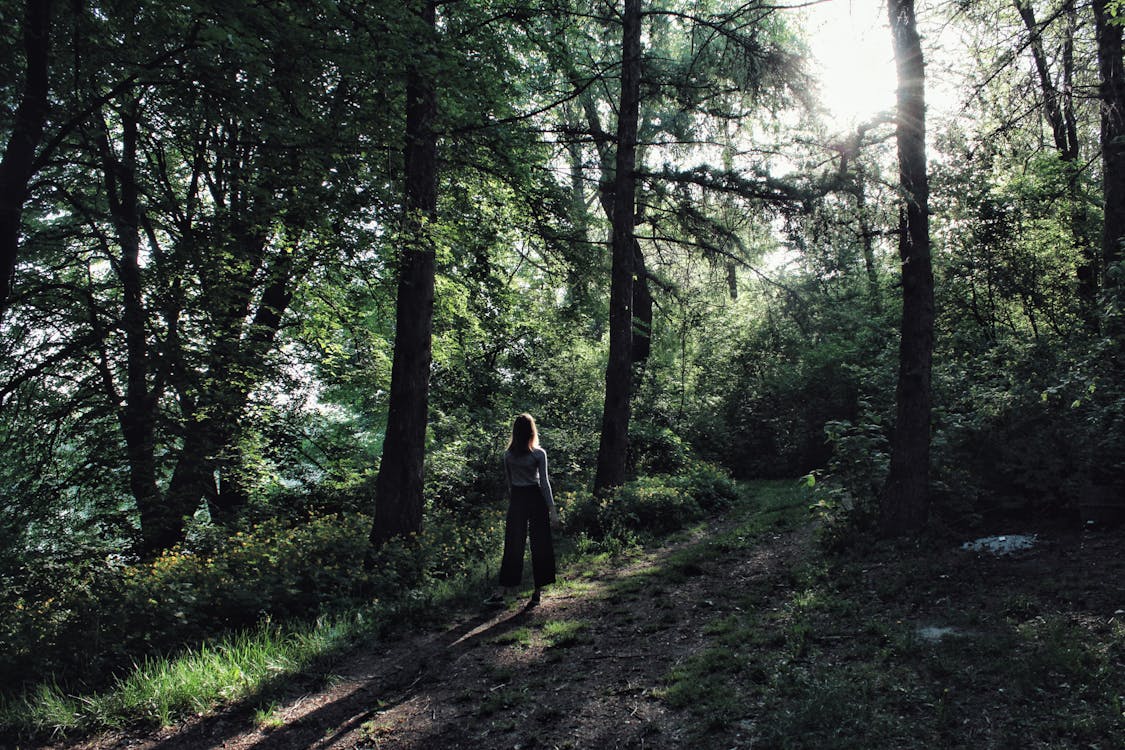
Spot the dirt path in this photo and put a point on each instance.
(582, 670)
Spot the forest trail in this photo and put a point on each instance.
(582, 670)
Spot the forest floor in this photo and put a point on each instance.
(737, 634)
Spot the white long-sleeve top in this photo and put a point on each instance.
(529, 469)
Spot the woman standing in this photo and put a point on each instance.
(531, 512)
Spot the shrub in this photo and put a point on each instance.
(650, 506)
(657, 450)
(846, 500)
(583, 511)
(653, 505)
(94, 618)
(708, 485)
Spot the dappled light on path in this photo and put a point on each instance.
(583, 669)
(727, 639)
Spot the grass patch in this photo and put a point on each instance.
(161, 691)
(514, 637)
(251, 664)
(705, 685)
(269, 717)
(564, 633)
(834, 654)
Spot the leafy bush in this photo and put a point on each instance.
(709, 485)
(653, 505)
(91, 619)
(650, 506)
(1026, 430)
(846, 499)
(657, 450)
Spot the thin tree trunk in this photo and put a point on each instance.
(904, 503)
(1053, 100)
(1058, 108)
(398, 487)
(17, 166)
(866, 237)
(612, 451)
(1112, 91)
(642, 314)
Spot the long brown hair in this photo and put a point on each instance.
(525, 437)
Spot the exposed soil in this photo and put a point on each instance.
(586, 668)
(581, 670)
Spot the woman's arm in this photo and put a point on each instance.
(544, 481)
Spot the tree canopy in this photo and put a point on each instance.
(276, 277)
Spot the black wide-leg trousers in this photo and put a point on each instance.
(527, 516)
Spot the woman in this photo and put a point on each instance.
(531, 510)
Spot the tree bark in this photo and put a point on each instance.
(867, 240)
(18, 164)
(1112, 93)
(642, 313)
(137, 415)
(904, 504)
(398, 487)
(1054, 101)
(612, 451)
(642, 294)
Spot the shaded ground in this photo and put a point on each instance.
(740, 636)
(582, 670)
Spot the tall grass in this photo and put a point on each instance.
(249, 664)
(161, 690)
(252, 664)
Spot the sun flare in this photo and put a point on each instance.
(852, 58)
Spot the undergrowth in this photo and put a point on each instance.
(897, 647)
(228, 609)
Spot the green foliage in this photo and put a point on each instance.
(846, 496)
(784, 381)
(704, 684)
(161, 691)
(86, 621)
(650, 506)
(1036, 430)
(657, 450)
(561, 634)
(269, 195)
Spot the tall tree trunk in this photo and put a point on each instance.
(1112, 91)
(904, 505)
(642, 295)
(137, 415)
(193, 479)
(18, 164)
(398, 487)
(614, 444)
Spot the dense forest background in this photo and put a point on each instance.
(278, 275)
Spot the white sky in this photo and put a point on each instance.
(851, 45)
